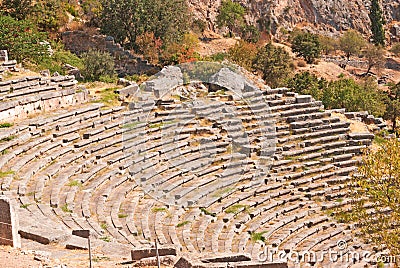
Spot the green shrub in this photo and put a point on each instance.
(258, 237)
(22, 40)
(347, 93)
(219, 57)
(250, 33)
(5, 125)
(243, 53)
(97, 64)
(55, 62)
(65, 208)
(182, 223)
(308, 84)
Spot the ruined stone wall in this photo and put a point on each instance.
(79, 42)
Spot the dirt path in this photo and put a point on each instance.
(15, 258)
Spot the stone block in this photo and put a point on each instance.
(138, 254)
(3, 55)
(303, 98)
(9, 223)
(76, 242)
(42, 235)
(128, 90)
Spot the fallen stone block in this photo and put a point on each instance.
(42, 235)
(303, 98)
(128, 91)
(138, 254)
(76, 242)
(361, 136)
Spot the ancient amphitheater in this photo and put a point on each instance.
(218, 171)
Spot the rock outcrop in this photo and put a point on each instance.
(328, 16)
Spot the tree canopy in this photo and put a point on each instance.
(393, 105)
(376, 196)
(22, 40)
(351, 42)
(125, 20)
(307, 45)
(274, 63)
(230, 15)
(377, 22)
(375, 57)
(343, 93)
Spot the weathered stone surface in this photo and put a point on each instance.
(187, 262)
(76, 242)
(128, 90)
(9, 223)
(3, 55)
(138, 254)
(303, 98)
(361, 136)
(167, 79)
(230, 80)
(43, 235)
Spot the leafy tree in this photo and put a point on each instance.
(347, 93)
(377, 22)
(243, 54)
(328, 44)
(230, 15)
(92, 11)
(274, 63)
(49, 15)
(183, 51)
(149, 46)
(343, 93)
(250, 33)
(125, 20)
(307, 83)
(375, 56)
(198, 26)
(97, 64)
(22, 40)
(18, 9)
(376, 196)
(307, 45)
(393, 105)
(351, 42)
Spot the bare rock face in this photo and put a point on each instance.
(327, 16)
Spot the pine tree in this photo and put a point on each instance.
(377, 22)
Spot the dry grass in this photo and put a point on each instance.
(20, 74)
(355, 126)
(301, 63)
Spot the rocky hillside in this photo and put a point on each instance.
(328, 16)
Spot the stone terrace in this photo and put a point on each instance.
(99, 169)
(23, 97)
